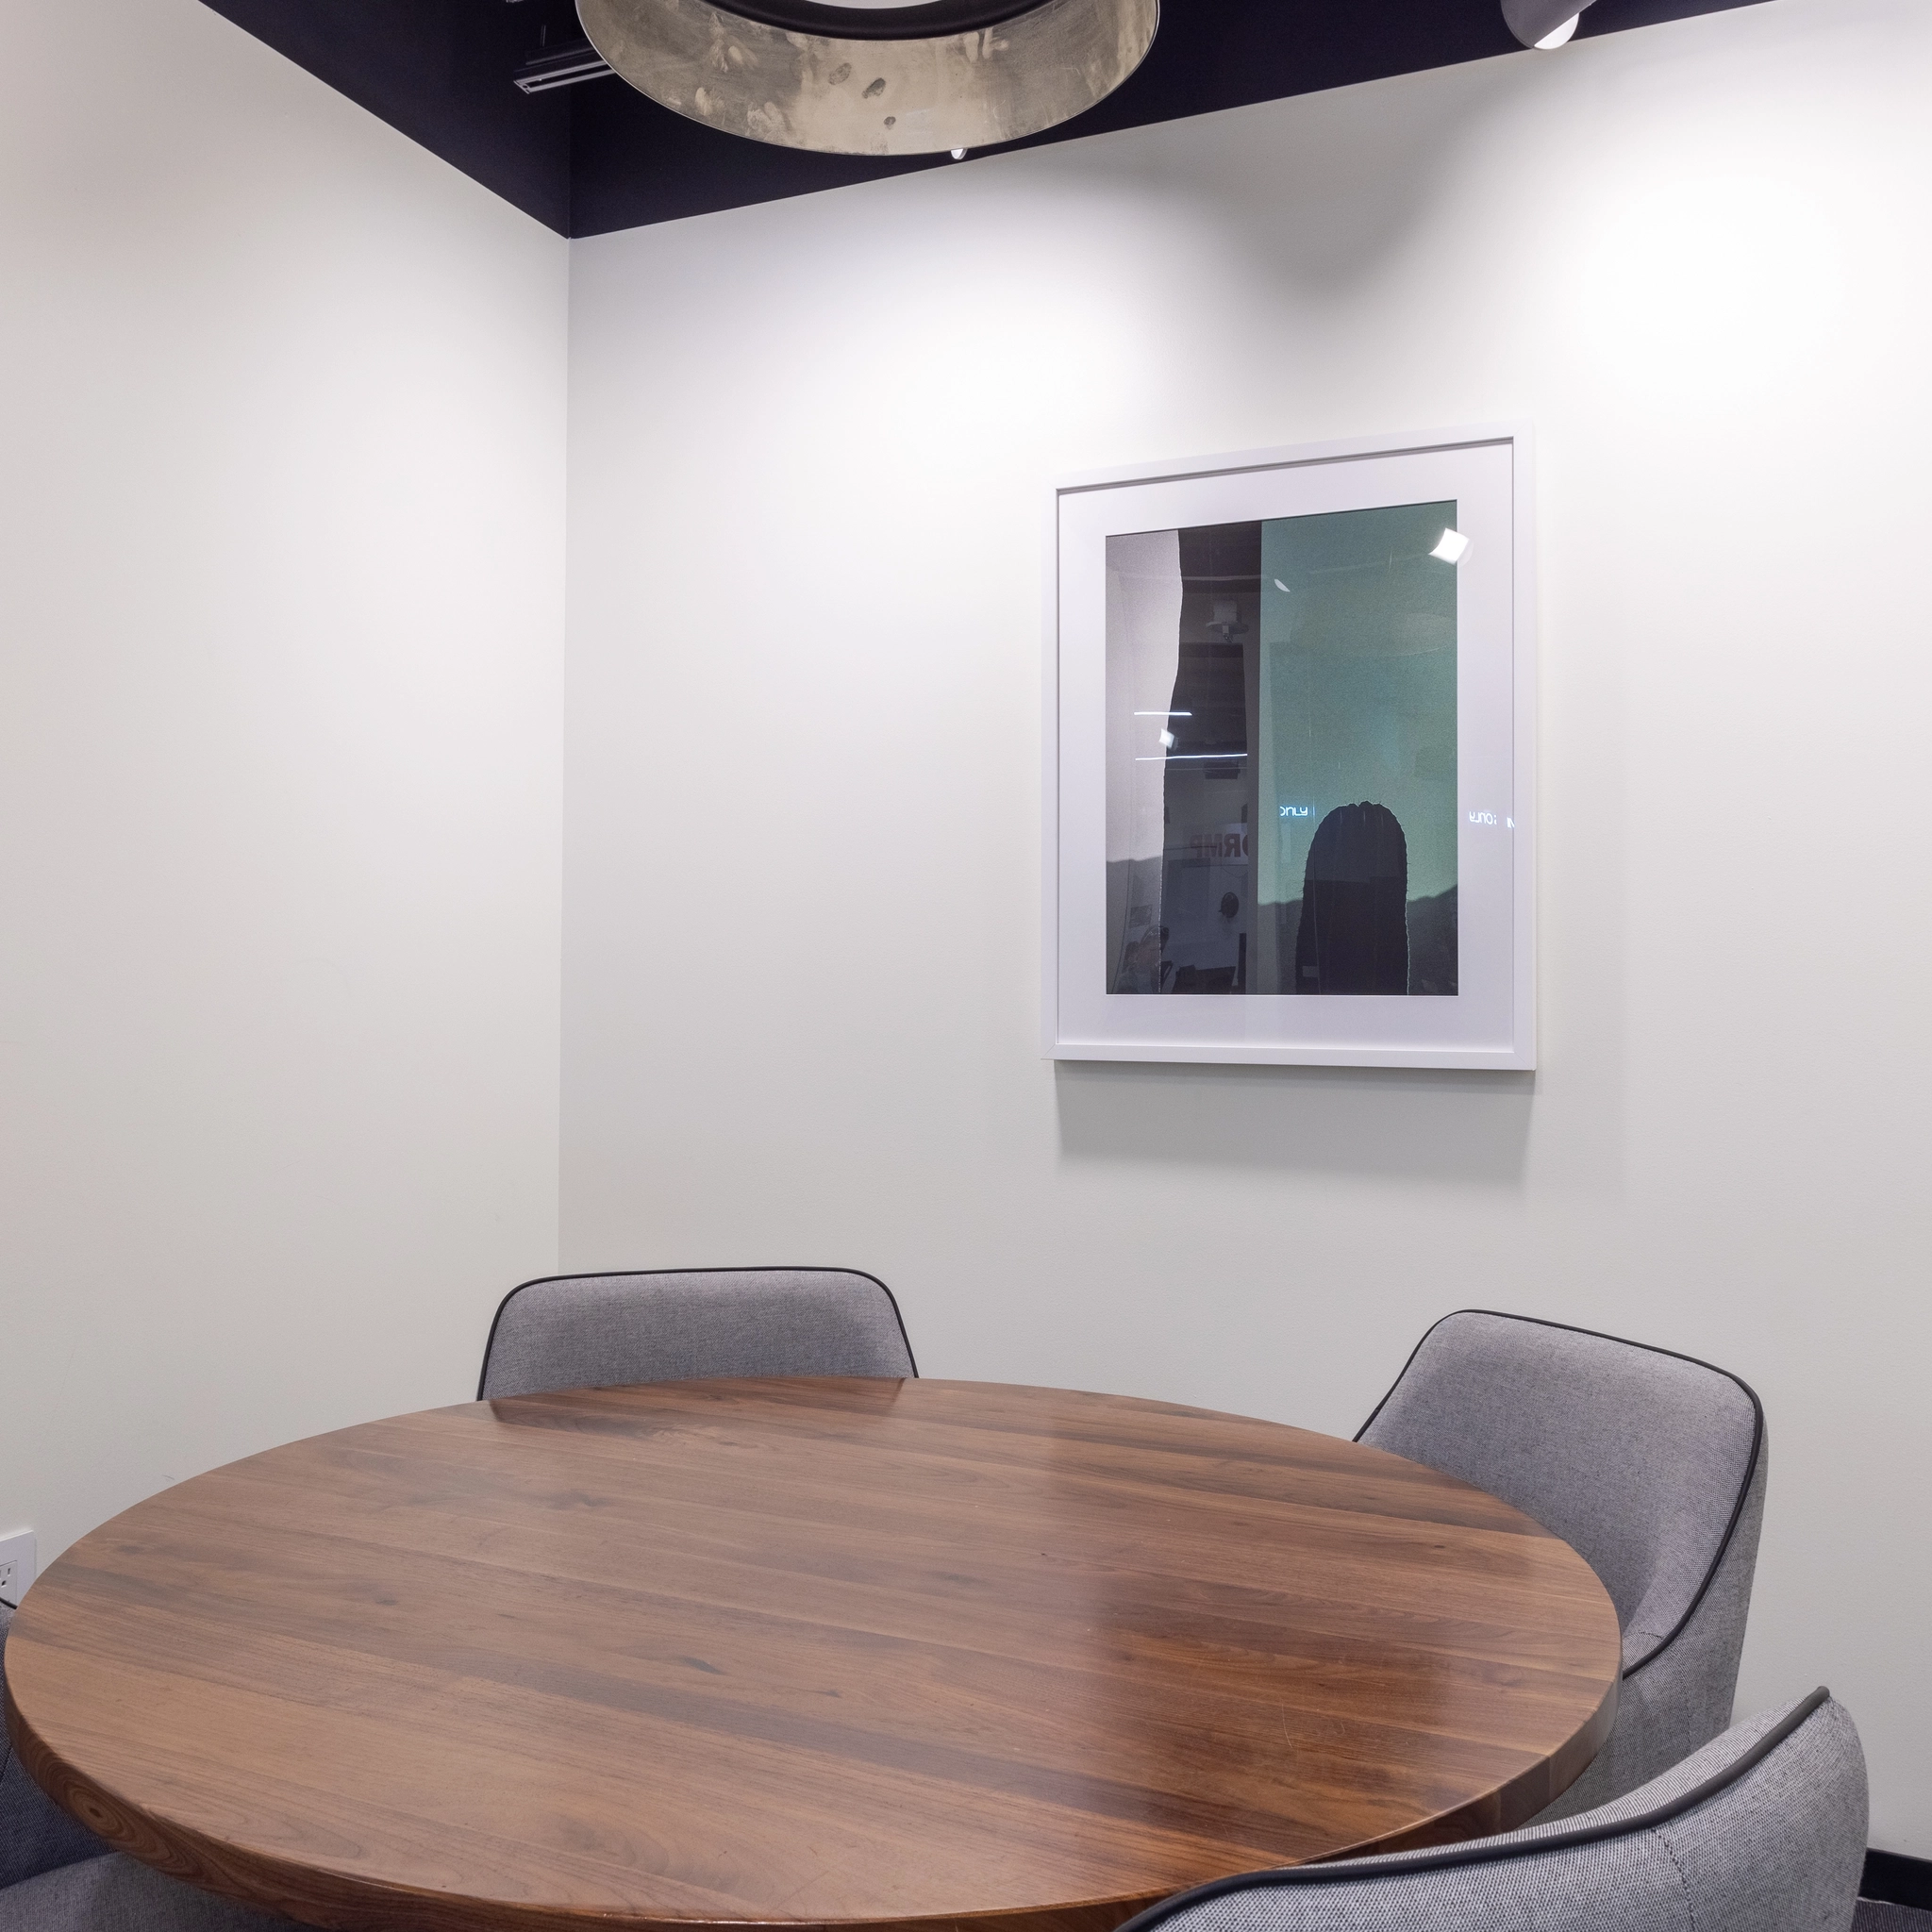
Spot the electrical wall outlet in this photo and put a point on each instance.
(16, 1566)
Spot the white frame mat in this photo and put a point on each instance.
(1490, 1022)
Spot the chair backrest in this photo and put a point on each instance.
(1651, 1465)
(1764, 1830)
(1640, 1459)
(578, 1331)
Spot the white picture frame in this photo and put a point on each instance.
(1488, 1022)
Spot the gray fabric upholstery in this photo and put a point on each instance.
(606, 1331)
(116, 1895)
(1637, 1459)
(1777, 1850)
(1881, 1915)
(36, 1835)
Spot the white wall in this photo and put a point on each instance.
(281, 493)
(809, 448)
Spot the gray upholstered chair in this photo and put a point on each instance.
(1650, 1465)
(579, 1331)
(58, 1876)
(115, 1893)
(1761, 1831)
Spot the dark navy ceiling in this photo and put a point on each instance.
(598, 155)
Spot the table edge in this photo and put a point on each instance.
(339, 1901)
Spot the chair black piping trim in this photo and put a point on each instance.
(635, 1274)
(1485, 1851)
(1596, 1333)
(1897, 1878)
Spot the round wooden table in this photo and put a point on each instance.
(803, 1654)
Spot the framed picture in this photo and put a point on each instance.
(1289, 758)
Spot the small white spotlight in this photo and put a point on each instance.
(959, 153)
(1283, 587)
(1167, 739)
(1453, 549)
(1545, 23)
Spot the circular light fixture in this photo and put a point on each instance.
(875, 78)
(1545, 23)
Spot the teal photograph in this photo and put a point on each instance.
(1286, 794)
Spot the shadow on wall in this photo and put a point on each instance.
(1371, 185)
(1396, 1124)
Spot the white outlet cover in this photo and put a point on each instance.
(18, 1551)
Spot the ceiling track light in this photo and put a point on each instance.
(939, 76)
(564, 68)
(1545, 23)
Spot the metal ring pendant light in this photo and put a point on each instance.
(875, 79)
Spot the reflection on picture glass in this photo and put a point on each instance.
(1281, 756)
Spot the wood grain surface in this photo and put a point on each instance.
(802, 1654)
